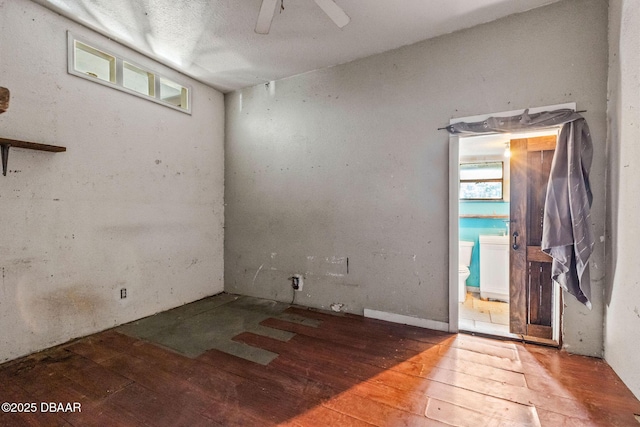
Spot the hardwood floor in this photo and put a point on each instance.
(347, 371)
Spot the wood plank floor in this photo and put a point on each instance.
(347, 371)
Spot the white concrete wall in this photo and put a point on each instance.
(348, 162)
(622, 329)
(135, 202)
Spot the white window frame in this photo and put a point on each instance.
(476, 180)
(98, 53)
(119, 81)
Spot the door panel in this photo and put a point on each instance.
(531, 287)
(540, 290)
(517, 259)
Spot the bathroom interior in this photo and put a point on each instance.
(484, 235)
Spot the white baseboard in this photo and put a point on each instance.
(407, 320)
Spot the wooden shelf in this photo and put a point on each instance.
(484, 216)
(6, 143)
(32, 145)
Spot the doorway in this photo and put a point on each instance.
(483, 229)
(484, 309)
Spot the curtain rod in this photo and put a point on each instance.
(579, 111)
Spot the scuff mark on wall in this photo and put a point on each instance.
(333, 266)
(59, 307)
(351, 285)
(74, 299)
(337, 307)
(253, 282)
(386, 254)
(334, 274)
(403, 264)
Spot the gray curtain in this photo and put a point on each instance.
(566, 231)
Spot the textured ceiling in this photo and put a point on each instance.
(214, 41)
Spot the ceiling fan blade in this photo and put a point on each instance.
(335, 12)
(267, 10)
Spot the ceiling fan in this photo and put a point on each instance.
(268, 9)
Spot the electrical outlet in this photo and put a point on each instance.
(123, 293)
(296, 282)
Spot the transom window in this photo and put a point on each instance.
(173, 93)
(139, 80)
(481, 181)
(96, 64)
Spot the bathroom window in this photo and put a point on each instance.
(481, 181)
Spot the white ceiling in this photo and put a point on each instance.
(214, 41)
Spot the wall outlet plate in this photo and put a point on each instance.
(297, 282)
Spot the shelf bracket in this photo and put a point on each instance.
(5, 157)
(5, 143)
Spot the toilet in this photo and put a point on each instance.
(464, 261)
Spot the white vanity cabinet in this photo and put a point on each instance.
(494, 267)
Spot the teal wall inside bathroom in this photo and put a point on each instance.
(471, 228)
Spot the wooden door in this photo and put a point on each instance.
(531, 290)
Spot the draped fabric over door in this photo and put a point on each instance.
(566, 234)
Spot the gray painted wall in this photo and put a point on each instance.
(136, 202)
(347, 162)
(622, 329)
